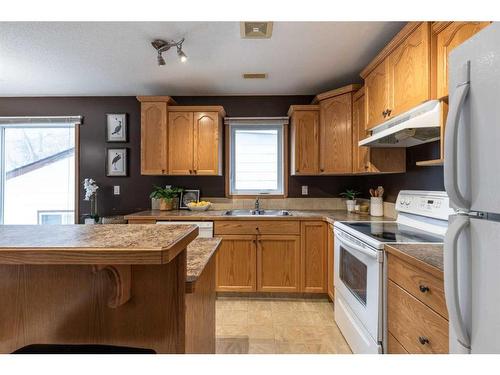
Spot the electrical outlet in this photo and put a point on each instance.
(116, 190)
(305, 190)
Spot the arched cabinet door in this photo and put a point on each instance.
(180, 143)
(153, 138)
(207, 144)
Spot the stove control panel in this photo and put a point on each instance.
(433, 204)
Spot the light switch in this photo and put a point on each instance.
(116, 190)
(305, 190)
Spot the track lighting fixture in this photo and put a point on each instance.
(163, 46)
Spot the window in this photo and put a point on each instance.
(37, 171)
(256, 157)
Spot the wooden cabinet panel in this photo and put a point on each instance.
(415, 326)
(236, 264)
(278, 263)
(393, 346)
(376, 95)
(305, 142)
(447, 39)
(207, 143)
(154, 138)
(336, 135)
(257, 227)
(180, 143)
(330, 271)
(424, 286)
(360, 155)
(313, 257)
(409, 71)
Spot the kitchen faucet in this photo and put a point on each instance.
(257, 204)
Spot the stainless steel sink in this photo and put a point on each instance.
(257, 213)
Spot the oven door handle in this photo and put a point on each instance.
(350, 245)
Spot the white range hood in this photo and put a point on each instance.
(419, 125)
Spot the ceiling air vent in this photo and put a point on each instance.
(254, 75)
(256, 30)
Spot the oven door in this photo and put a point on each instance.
(358, 278)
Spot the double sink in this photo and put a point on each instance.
(257, 213)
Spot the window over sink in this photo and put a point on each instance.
(256, 156)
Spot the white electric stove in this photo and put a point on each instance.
(359, 274)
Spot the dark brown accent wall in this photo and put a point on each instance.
(135, 188)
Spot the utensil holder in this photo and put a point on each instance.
(376, 206)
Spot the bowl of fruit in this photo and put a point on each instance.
(199, 206)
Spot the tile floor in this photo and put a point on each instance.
(268, 326)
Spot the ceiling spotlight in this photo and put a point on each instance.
(163, 46)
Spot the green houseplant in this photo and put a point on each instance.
(166, 196)
(351, 198)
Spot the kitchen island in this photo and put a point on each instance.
(120, 285)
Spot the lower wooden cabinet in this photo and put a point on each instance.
(236, 264)
(278, 263)
(313, 257)
(330, 251)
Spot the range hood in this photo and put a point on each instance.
(419, 125)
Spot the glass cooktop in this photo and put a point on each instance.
(393, 232)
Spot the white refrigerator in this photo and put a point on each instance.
(472, 181)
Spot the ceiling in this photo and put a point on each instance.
(116, 58)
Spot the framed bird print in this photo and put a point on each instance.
(116, 127)
(116, 162)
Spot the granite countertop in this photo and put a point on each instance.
(93, 244)
(426, 256)
(213, 215)
(199, 253)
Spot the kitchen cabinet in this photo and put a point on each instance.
(449, 35)
(278, 263)
(313, 257)
(368, 160)
(399, 78)
(195, 140)
(236, 264)
(330, 251)
(304, 135)
(154, 134)
(417, 317)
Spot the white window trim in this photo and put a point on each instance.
(31, 121)
(263, 123)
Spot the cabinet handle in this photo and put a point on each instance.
(321, 170)
(423, 340)
(389, 112)
(384, 113)
(424, 288)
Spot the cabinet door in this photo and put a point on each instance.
(453, 35)
(409, 71)
(313, 257)
(376, 95)
(180, 143)
(153, 138)
(207, 143)
(330, 270)
(305, 141)
(336, 135)
(360, 155)
(236, 263)
(278, 263)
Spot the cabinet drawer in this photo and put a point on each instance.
(257, 227)
(422, 285)
(393, 346)
(415, 326)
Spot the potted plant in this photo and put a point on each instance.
(90, 187)
(166, 196)
(351, 198)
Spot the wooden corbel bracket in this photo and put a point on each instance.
(121, 277)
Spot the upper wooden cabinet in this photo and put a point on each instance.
(366, 160)
(399, 78)
(180, 140)
(449, 35)
(304, 136)
(154, 134)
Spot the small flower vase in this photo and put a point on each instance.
(93, 208)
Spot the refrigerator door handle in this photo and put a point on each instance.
(451, 140)
(451, 278)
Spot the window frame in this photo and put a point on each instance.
(263, 123)
(41, 122)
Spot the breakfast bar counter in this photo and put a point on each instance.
(120, 285)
